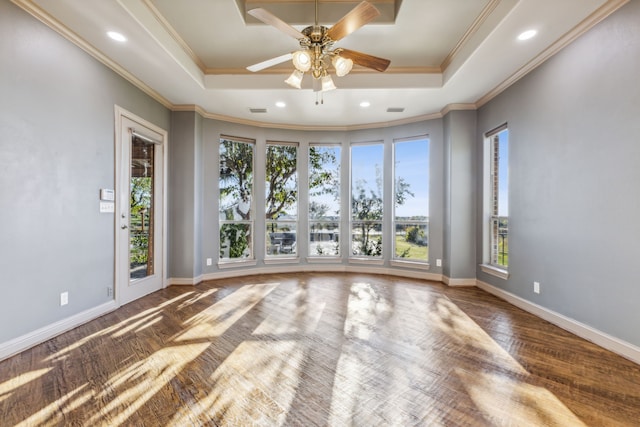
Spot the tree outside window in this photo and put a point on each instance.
(324, 200)
(281, 199)
(235, 197)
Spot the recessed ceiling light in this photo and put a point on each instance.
(116, 36)
(527, 35)
(281, 104)
(365, 104)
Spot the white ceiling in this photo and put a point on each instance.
(445, 54)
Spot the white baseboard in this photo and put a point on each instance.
(604, 340)
(284, 268)
(24, 342)
(184, 281)
(458, 282)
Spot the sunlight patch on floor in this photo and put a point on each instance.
(7, 387)
(119, 329)
(255, 385)
(139, 382)
(301, 318)
(500, 398)
(218, 318)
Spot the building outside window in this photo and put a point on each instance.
(236, 213)
(366, 199)
(498, 203)
(281, 199)
(324, 200)
(411, 200)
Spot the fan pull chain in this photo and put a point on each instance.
(321, 95)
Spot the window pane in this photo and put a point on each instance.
(499, 202)
(141, 207)
(366, 200)
(366, 238)
(324, 238)
(324, 183)
(412, 241)
(281, 238)
(235, 197)
(411, 180)
(324, 200)
(235, 241)
(281, 189)
(502, 166)
(236, 180)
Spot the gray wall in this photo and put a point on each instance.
(459, 206)
(574, 168)
(56, 152)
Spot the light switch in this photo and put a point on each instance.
(107, 207)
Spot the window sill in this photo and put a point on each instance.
(495, 271)
(410, 264)
(282, 260)
(374, 261)
(239, 263)
(325, 259)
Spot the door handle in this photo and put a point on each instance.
(124, 226)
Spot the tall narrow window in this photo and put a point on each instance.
(498, 146)
(366, 200)
(411, 200)
(236, 199)
(324, 200)
(281, 198)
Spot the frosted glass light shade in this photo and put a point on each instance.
(342, 65)
(295, 79)
(327, 83)
(302, 60)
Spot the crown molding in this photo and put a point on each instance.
(174, 34)
(475, 26)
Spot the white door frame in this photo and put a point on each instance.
(162, 136)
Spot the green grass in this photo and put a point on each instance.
(503, 258)
(416, 252)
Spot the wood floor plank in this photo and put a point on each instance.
(319, 349)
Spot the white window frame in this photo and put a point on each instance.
(380, 222)
(251, 222)
(425, 222)
(491, 228)
(289, 249)
(311, 221)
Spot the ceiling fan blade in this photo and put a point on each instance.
(356, 18)
(369, 61)
(271, 19)
(270, 62)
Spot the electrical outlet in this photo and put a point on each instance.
(209, 261)
(438, 263)
(536, 287)
(109, 291)
(64, 298)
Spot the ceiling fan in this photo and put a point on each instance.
(316, 47)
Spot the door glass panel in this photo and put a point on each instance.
(141, 209)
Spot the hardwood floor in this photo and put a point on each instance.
(319, 349)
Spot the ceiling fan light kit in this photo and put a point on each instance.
(316, 43)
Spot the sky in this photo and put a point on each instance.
(503, 173)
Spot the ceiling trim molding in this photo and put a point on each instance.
(355, 70)
(378, 125)
(457, 107)
(589, 22)
(38, 13)
(174, 34)
(475, 26)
